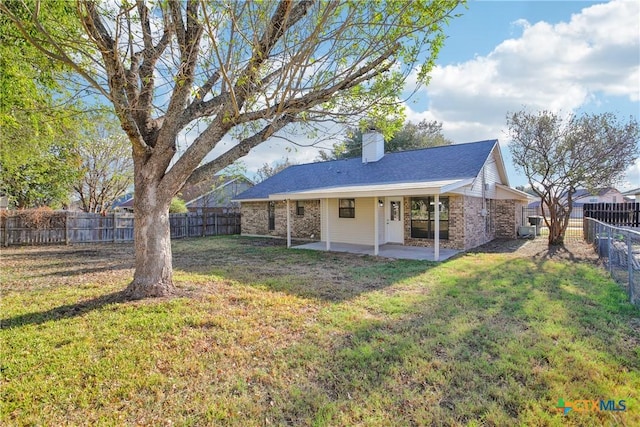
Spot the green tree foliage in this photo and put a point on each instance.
(559, 155)
(178, 206)
(411, 136)
(38, 161)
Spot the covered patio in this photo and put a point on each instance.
(387, 250)
(377, 227)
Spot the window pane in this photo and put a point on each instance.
(272, 215)
(419, 229)
(395, 211)
(419, 208)
(423, 217)
(444, 208)
(346, 208)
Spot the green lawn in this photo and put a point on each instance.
(262, 335)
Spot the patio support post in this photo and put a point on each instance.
(326, 225)
(436, 236)
(376, 240)
(288, 225)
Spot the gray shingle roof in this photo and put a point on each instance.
(456, 161)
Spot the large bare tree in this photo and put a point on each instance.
(245, 68)
(560, 154)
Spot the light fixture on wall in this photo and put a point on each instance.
(380, 203)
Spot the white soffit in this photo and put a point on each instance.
(504, 192)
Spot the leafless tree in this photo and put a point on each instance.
(107, 171)
(268, 170)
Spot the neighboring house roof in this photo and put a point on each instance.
(632, 192)
(221, 195)
(438, 169)
(580, 195)
(193, 192)
(125, 201)
(583, 192)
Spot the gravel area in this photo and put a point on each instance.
(574, 249)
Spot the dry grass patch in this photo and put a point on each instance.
(262, 335)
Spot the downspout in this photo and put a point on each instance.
(484, 200)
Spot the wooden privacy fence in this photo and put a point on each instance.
(620, 214)
(43, 228)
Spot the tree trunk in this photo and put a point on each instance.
(556, 225)
(556, 236)
(153, 275)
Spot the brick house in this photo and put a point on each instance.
(391, 198)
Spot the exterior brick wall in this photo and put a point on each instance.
(478, 230)
(255, 219)
(305, 226)
(508, 218)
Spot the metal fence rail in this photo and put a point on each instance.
(619, 249)
(20, 228)
(573, 231)
(621, 214)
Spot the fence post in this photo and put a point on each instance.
(215, 223)
(66, 228)
(115, 226)
(610, 242)
(630, 266)
(6, 231)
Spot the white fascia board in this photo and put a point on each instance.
(376, 190)
(250, 200)
(500, 162)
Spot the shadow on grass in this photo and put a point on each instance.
(326, 276)
(500, 246)
(64, 312)
(498, 346)
(68, 261)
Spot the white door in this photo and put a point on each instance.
(394, 220)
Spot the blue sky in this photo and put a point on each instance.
(580, 56)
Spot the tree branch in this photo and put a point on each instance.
(117, 77)
(241, 149)
(59, 55)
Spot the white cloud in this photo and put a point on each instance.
(556, 67)
(632, 177)
(560, 67)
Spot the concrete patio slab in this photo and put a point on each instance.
(387, 250)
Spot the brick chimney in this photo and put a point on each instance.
(372, 146)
